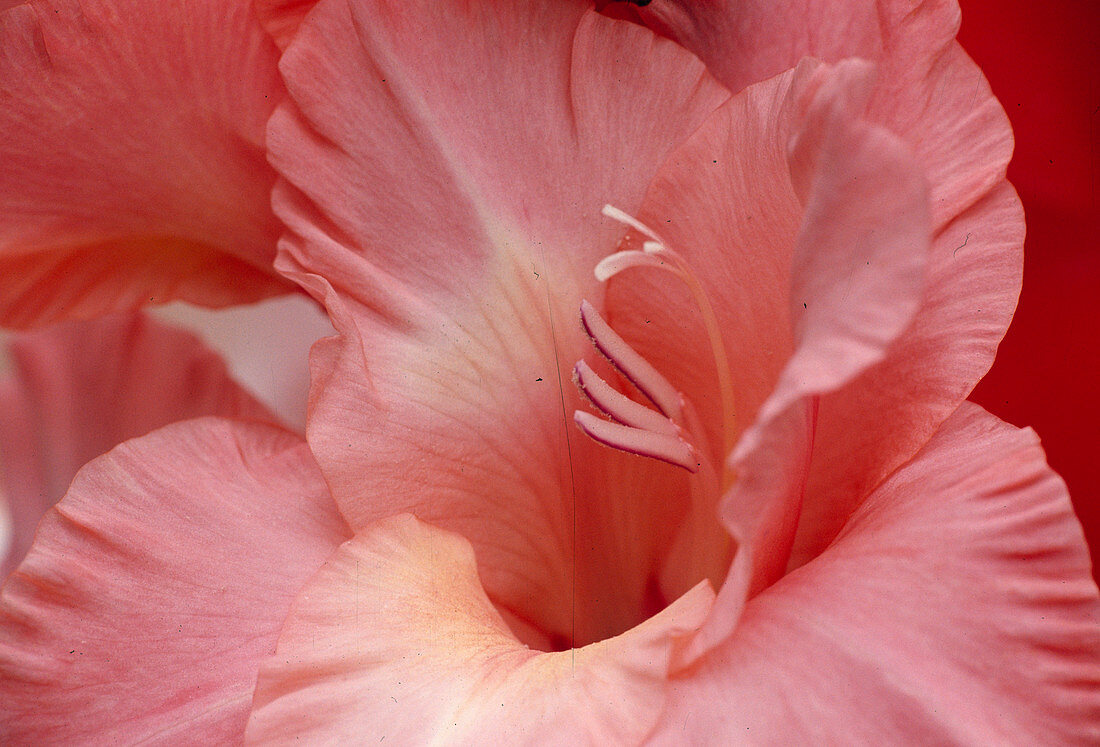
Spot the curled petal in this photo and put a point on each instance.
(78, 389)
(395, 639)
(955, 607)
(156, 586)
(932, 96)
(132, 143)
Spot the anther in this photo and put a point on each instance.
(618, 406)
(655, 253)
(626, 438)
(633, 366)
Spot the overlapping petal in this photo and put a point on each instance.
(78, 389)
(132, 138)
(395, 638)
(158, 584)
(837, 225)
(956, 606)
(931, 95)
(282, 18)
(445, 168)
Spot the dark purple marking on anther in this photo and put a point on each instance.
(660, 446)
(618, 406)
(630, 363)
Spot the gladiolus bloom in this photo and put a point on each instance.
(644, 419)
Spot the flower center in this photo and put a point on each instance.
(669, 430)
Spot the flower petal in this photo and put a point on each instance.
(746, 41)
(929, 93)
(395, 638)
(158, 583)
(452, 249)
(839, 227)
(888, 412)
(78, 389)
(282, 18)
(955, 607)
(132, 139)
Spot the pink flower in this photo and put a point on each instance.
(824, 542)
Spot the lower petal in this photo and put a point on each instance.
(395, 638)
(77, 389)
(157, 585)
(956, 606)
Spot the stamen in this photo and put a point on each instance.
(626, 219)
(637, 369)
(618, 406)
(613, 264)
(637, 441)
(656, 254)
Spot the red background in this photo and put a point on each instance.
(1043, 62)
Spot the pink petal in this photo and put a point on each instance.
(132, 138)
(281, 18)
(157, 585)
(929, 93)
(747, 41)
(395, 638)
(875, 421)
(445, 169)
(78, 389)
(839, 227)
(955, 607)
(928, 90)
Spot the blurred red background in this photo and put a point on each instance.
(1043, 62)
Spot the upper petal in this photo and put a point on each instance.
(956, 607)
(156, 586)
(744, 42)
(446, 203)
(132, 138)
(815, 257)
(930, 94)
(449, 219)
(77, 389)
(395, 638)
